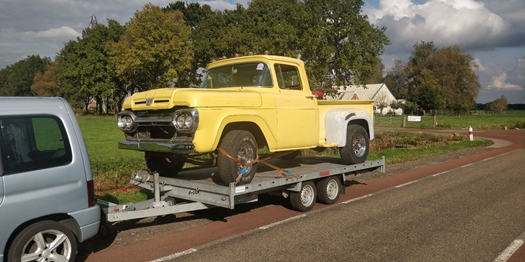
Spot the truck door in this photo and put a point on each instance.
(297, 114)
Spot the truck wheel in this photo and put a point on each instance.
(328, 190)
(239, 144)
(357, 143)
(164, 164)
(44, 241)
(304, 200)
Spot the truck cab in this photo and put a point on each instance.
(47, 202)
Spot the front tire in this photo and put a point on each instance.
(44, 241)
(357, 145)
(304, 200)
(239, 144)
(165, 164)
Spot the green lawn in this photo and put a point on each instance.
(478, 121)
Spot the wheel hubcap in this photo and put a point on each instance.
(246, 154)
(359, 145)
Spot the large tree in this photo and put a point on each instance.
(84, 65)
(441, 79)
(47, 83)
(154, 49)
(17, 79)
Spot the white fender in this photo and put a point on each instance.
(336, 122)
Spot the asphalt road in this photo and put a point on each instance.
(467, 209)
(470, 213)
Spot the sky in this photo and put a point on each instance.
(491, 31)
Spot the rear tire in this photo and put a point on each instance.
(357, 145)
(166, 165)
(304, 200)
(239, 144)
(44, 241)
(329, 190)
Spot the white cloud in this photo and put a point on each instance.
(64, 32)
(500, 82)
(466, 23)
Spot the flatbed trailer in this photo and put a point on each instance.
(304, 181)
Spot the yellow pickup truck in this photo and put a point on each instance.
(244, 104)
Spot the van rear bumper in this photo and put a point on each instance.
(88, 221)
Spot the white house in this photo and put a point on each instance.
(380, 93)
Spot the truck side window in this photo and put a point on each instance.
(33, 142)
(288, 77)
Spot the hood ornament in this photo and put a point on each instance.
(149, 100)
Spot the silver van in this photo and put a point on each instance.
(47, 203)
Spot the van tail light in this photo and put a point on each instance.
(91, 193)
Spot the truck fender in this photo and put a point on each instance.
(337, 120)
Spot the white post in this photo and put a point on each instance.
(470, 133)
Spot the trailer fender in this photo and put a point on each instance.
(337, 121)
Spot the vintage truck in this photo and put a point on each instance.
(244, 104)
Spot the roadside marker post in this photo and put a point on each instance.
(470, 134)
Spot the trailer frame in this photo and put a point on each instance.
(197, 189)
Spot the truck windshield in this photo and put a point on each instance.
(254, 74)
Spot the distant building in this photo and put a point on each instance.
(380, 93)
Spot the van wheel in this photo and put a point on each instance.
(165, 164)
(357, 144)
(304, 200)
(239, 144)
(328, 190)
(44, 241)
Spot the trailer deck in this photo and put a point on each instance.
(198, 188)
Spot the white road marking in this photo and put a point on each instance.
(282, 222)
(509, 251)
(406, 184)
(440, 173)
(176, 255)
(355, 199)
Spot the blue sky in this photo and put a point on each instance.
(492, 31)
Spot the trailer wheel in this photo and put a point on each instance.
(239, 144)
(304, 200)
(165, 164)
(357, 144)
(328, 190)
(44, 241)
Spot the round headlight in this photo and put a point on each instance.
(188, 121)
(125, 122)
(179, 121)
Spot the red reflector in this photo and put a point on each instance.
(324, 173)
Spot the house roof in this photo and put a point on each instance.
(368, 92)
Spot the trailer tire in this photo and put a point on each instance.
(328, 190)
(304, 200)
(239, 144)
(357, 145)
(36, 240)
(166, 165)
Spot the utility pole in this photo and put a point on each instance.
(93, 22)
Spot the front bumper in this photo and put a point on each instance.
(176, 148)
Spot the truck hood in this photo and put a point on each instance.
(166, 98)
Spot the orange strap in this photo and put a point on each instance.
(282, 171)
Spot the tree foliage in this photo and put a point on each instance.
(47, 83)
(84, 65)
(16, 80)
(498, 105)
(154, 49)
(440, 79)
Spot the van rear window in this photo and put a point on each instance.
(33, 142)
